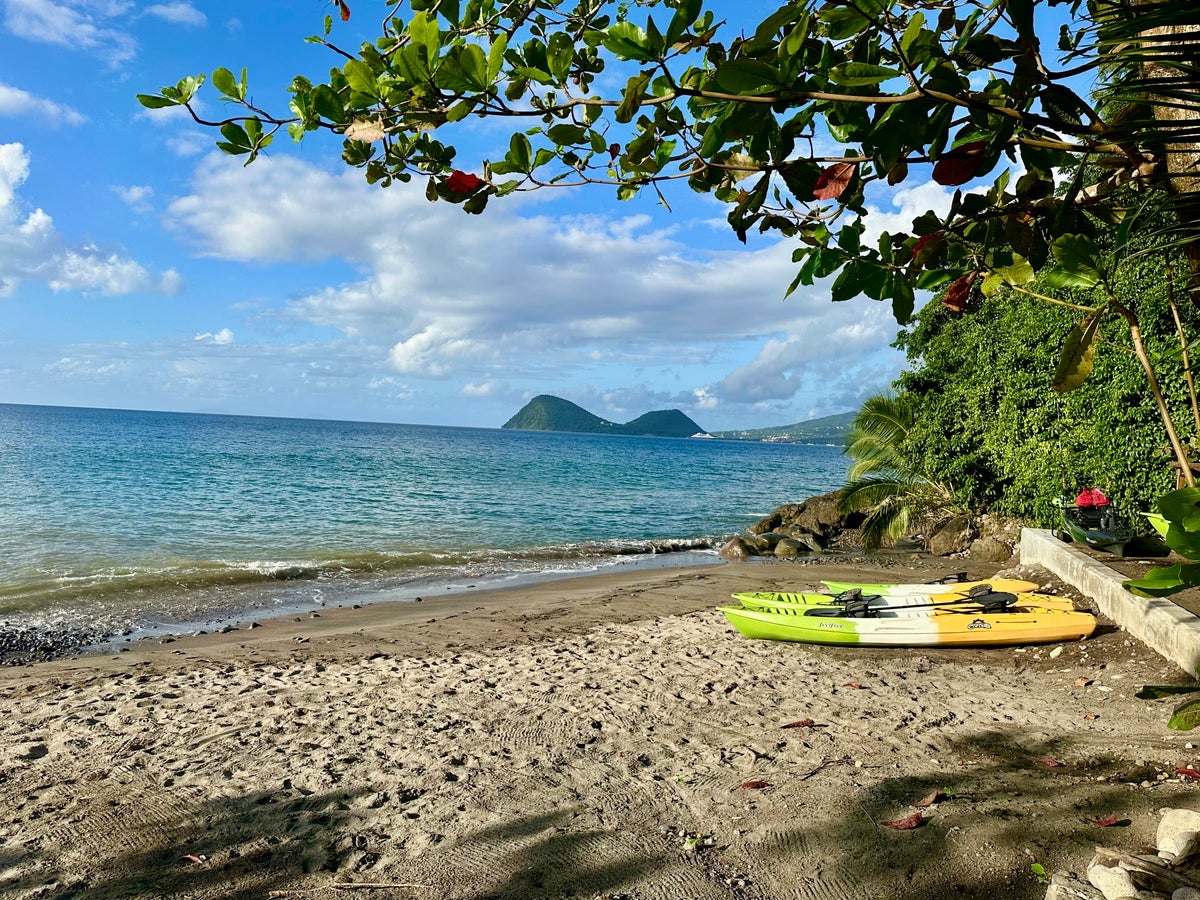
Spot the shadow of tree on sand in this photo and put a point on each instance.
(1006, 793)
(236, 847)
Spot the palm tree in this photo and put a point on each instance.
(899, 497)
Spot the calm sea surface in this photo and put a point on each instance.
(136, 522)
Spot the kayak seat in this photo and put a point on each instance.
(995, 601)
(859, 608)
(954, 578)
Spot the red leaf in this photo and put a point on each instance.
(1105, 823)
(195, 860)
(960, 164)
(755, 785)
(464, 182)
(834, 180)
(930, 800)
(1188, 772)
(343, 10)
(802, 723)
(908, 823)
(853, 684)
(613, 150)
(959, 292)
(1083, 681)
(1050, 761)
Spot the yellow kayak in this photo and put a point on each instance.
(912, 627)
(771, 599)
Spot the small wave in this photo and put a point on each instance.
(185, 584)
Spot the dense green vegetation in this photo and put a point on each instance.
(990, 424)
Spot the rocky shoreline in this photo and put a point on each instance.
(816, 526)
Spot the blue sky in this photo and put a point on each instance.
(141, 268)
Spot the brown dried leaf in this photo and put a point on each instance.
(853, 684)
(1050, 761)
(1091, 717)
(755, 785)
(834, 180)
(1083, 681)
(802, 723)
(1105, 823)
(908, 823)
(930, 800)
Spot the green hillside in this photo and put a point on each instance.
(547, 413)
(825, 430)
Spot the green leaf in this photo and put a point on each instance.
(360, 77)
(566, 135)
(156, 101)
(496, 56)
(423, 29)
(224, 82)
(327, 104)
(1161, 691)
(1019, 273)
(632, 99)
(520, 153)
(1182, 508)
(626, 41)
(560, 53)
(1162, 581)
(1186, 716)
(235, 134)
(746, 76)
(685, 15)
(1078, 355)
(1078, 258)
(854, 74)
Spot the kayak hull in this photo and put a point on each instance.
(935, 627)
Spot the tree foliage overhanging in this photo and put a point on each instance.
(792, 122)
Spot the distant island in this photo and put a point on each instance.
(825, 430)
(548, 413)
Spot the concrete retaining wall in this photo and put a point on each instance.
(1157, 622)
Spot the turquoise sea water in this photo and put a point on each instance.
(132, 522)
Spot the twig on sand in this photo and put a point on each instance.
(825, 763)
(349, 886)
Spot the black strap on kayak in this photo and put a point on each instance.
(988, 601)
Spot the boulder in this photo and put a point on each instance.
(807, 538)
(789, 548)
(953, 536)
(991, 549)
(736, 548)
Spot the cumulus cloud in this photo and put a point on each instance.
(16, 102)
(178, 14)
(224, 336)
(517, 294)
(84, 25)
(32, 250)
(136, 196)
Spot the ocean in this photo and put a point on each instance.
(130, 523)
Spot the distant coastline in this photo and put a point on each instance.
(546, 412)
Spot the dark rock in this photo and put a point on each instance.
(953, 536)
(991, 549)
(789, 548)
(736, 548)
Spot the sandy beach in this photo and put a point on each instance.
(600, 737)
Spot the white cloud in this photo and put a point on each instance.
(31, 249)
(178, 14)
(506, 296)
(136, 196)
(16, 102)
(81, 25)
(224, 336)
